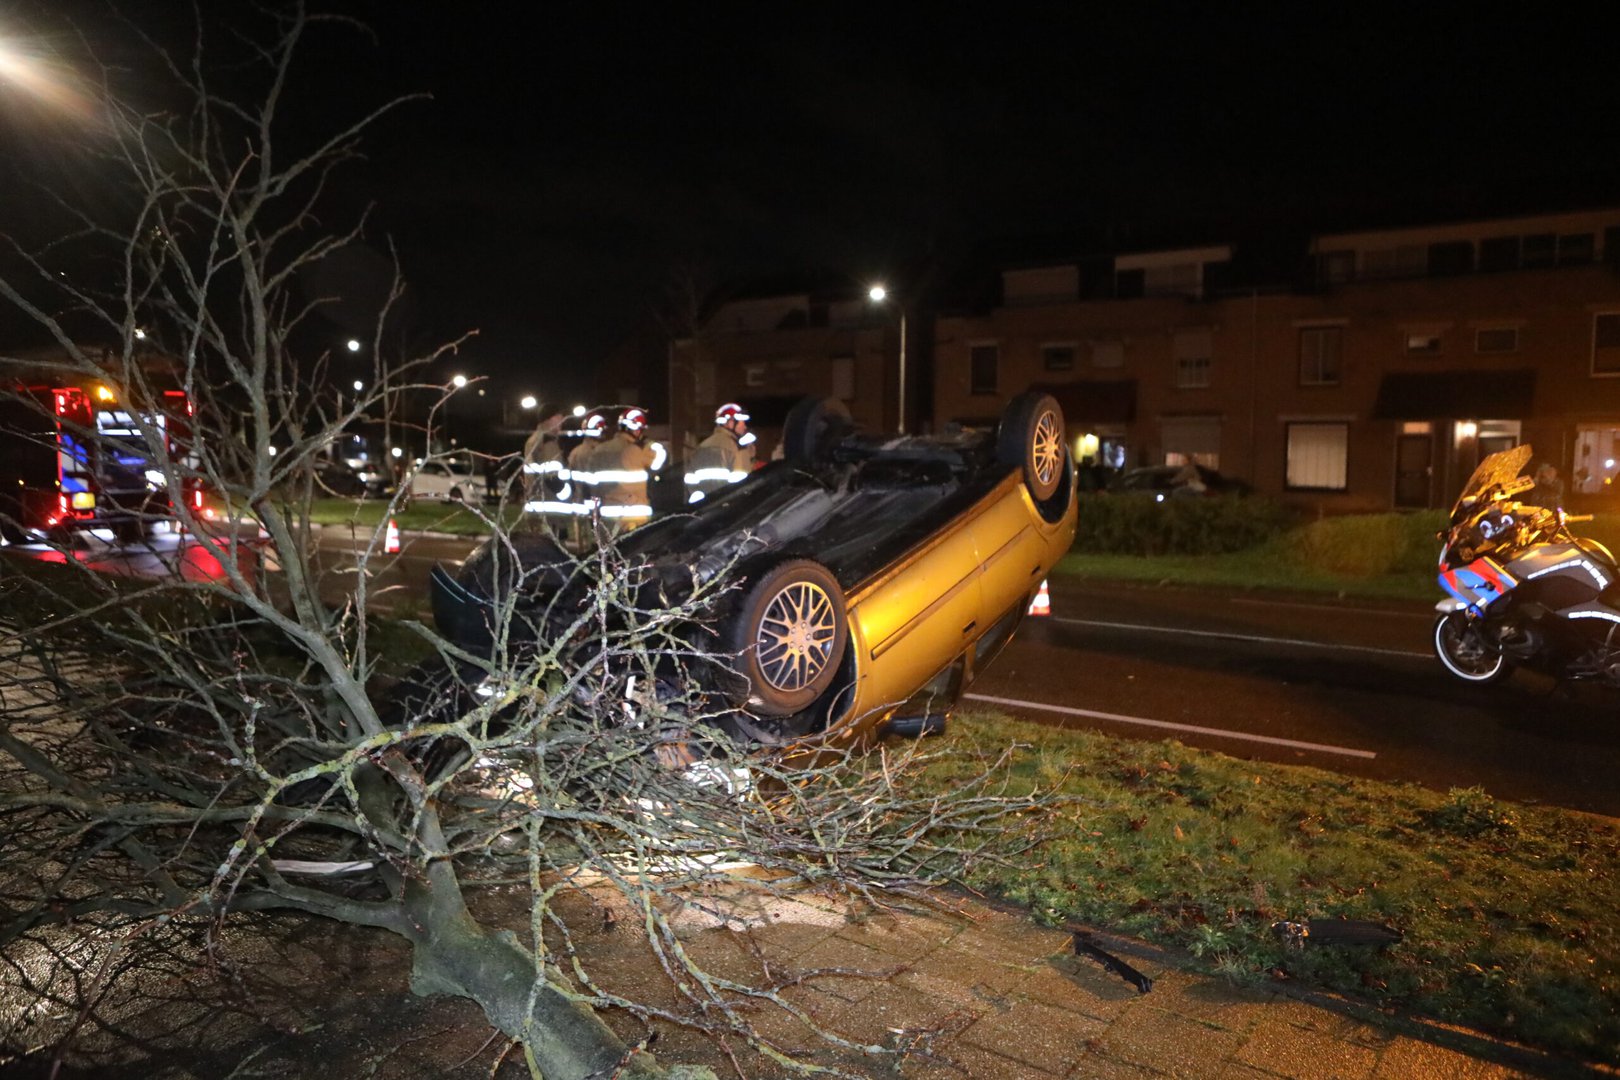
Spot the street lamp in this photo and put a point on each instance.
(529, 401)
(459, 381)
(354, 344)
(878, 294)
(579, 410)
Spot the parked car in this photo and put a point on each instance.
(338, 479)
(451, 479)
(874, 576)
(1178, 481)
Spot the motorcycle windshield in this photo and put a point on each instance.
(1499, 468)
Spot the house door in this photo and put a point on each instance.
(1414, 471)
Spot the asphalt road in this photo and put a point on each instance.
(1346, 686)
(1349, 686)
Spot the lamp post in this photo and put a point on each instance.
(878, 294)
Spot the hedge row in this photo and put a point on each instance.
(1135, 524)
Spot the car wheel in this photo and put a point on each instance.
(1031, 437)
(813, 427)
(788, 636)
(455, 494)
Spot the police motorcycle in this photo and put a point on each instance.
(1524, 590)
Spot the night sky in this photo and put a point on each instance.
(576, 157)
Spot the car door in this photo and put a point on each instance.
(1012, 549)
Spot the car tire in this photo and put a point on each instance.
(813, 427)
(788, 636)
(455, 494)
(1031, 437)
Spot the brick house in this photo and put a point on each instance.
(1378, 384)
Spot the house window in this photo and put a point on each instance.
(1337, 267)
(1192, 439)
(1423, 344)
(982, 363)
(1539, 250)
(1057, 357)
(1192, 372)
(1497, 339)
(1318, 455)
(1192, 352)
(1576, 248)
(1107, 354)
(1410, 260)
(1320, 349)
(1606, 344)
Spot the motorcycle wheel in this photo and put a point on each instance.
(1465, 654)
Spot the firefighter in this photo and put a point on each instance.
(581, 481)
(544, 470)
(621, 468)
(725, 457)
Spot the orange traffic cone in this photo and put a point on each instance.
(391, 541)
(1042, 604)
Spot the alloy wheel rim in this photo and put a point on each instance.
(1048, 447)
(794, 643)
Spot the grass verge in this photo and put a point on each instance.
(1257, 568)
(420, 516)
(1508, 911)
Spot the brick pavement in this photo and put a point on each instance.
(974, 991)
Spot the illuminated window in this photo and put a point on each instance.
(983, 360)
(1321, 351)
(1318, 456)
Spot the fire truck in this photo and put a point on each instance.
(77, 457)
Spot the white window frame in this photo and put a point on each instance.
(1336, 330)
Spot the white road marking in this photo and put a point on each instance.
(1166, 725)
(1341, 608)
(1257, 638)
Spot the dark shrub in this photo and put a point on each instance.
(1135, 524)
